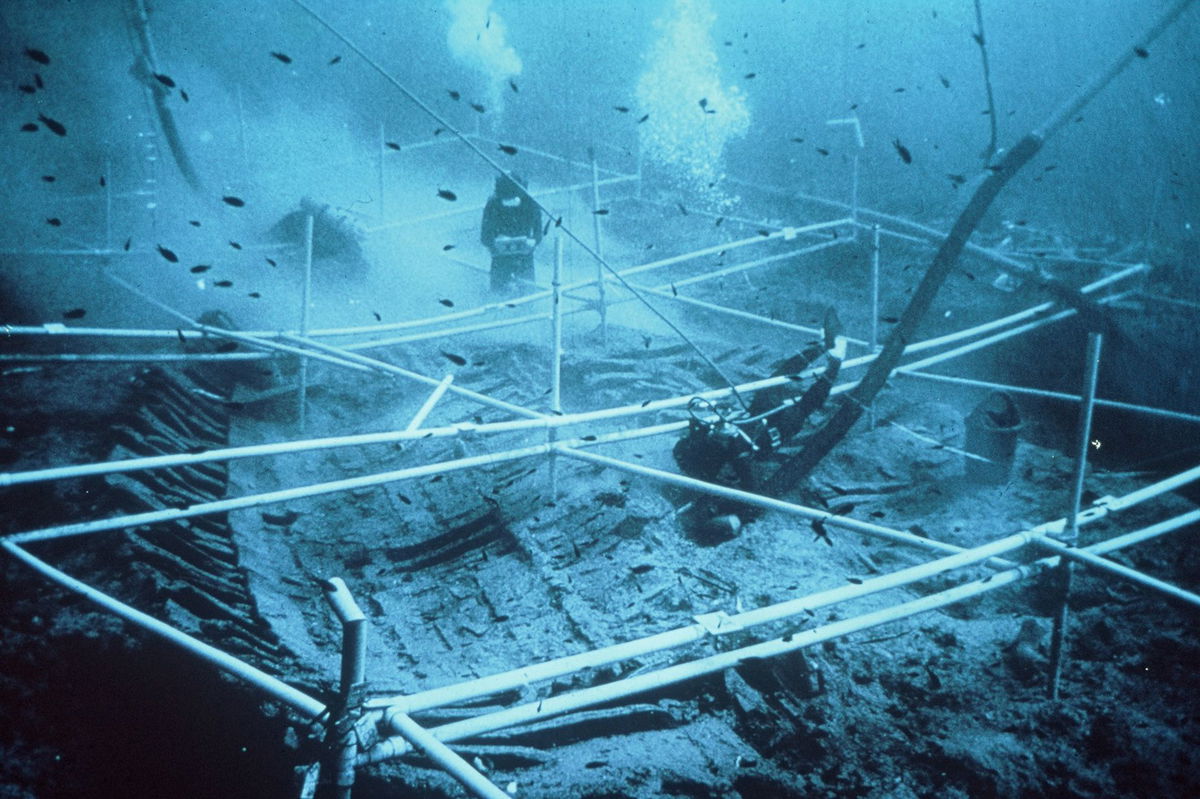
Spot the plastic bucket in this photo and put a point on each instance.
(992, 430)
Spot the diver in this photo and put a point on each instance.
(511, 229)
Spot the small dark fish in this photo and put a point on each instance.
(447, 247)
(682, 209)
(674, 291)
(165, 80)
(37, 79)
(478, 107)
(235, 245)
(1021, 222)
(1141, 52)
(37, 55)
(128, 242)
(447, 303)
(48, 178)
(899, 90)
(446, 194)
(1051, 168)
(643, 118)
(819, 529)
(750, 75)
(798, 139)
(54, 221)
(165, 253)
(271, 261)
(254, 295)
(236, 202)
(967, 274)
(717, 223)
(457, 360)
(336, 59)
(877, 514)
(228, 346)
(391, 145)
(200, 269)
(403, 498)
(378, 318)
(646, 341)
(182, 338)
(438, 131)
(74, 313)
(641, 568)
(600, 212)
(29, 127)
(861, 45)
(512, 84)
(891, 320)
(978, 37)
(905, 155)
(55, 126)
(223, 284)
(623, 109)
(507, 149)
(844, 509)
(25, 87)
(647, 402)
(704, 102)
(281, 519)
(282, 57)
(595, 764)
(454, 95)
(822, 151)
(194, 222)
(945, 81)
(957, 180)
(855, 580)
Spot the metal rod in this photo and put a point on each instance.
(108, 198)
(601, 278)
(1058, 633)
(1133, 575)
(305, 301)
(1038, 392)
(874, 343)
(241, 112)
(1145, 533)
(431, 401)
(280, 691)
(446, 758)
(556, 359)
(353, 674)
(854, 193)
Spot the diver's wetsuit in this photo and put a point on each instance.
(510, 212)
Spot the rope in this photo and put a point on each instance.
(442, 122)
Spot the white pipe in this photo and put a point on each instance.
(276, 688)
(446, 758)
(432, 400)
(1103, 564)
(1145, 533)
(305, 302)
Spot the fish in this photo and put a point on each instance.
(641, 568)
(391, 145)
(595, 764)
(447, 247)
(438, 131)
(54, 221)
(454, 95)
(512, 84)
(378, 318)
(978, 37)
(182, 338)
(37, 55)
(37, 79)
(254, 295)
(622, 109)
(103, 182)
(235, 245)
(200, 269)
(750, 75)
(1051, 168)
(74, 313)
(447, 303)
(855, 580)
(165, 80)
(898, 90)
(281, 57)
(905, 155)
(682, 209)
(600, 212)
(223, 284)
(822, 151)
(861, 45)
(194, 222)
(798, 139)
(479, 107)
(646, 341)
(165, 253)
(762, 232)
(183, 95)
(891, 320)
(844, 509)
(674, 291)
(29, 127)
(1141, 52)
(271, 261)
(54, 125)
(877, 514)
(945, 81)
(336, 59)
(507, 149)
(717, 223)
(957, 180)
(236, 202)
(25, 87)
(48, 178)
(820, 531)
(457, 360)
(280, 519)
(403, 498)
(128, 242)
(446, 194)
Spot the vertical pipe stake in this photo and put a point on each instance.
(305, 300)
